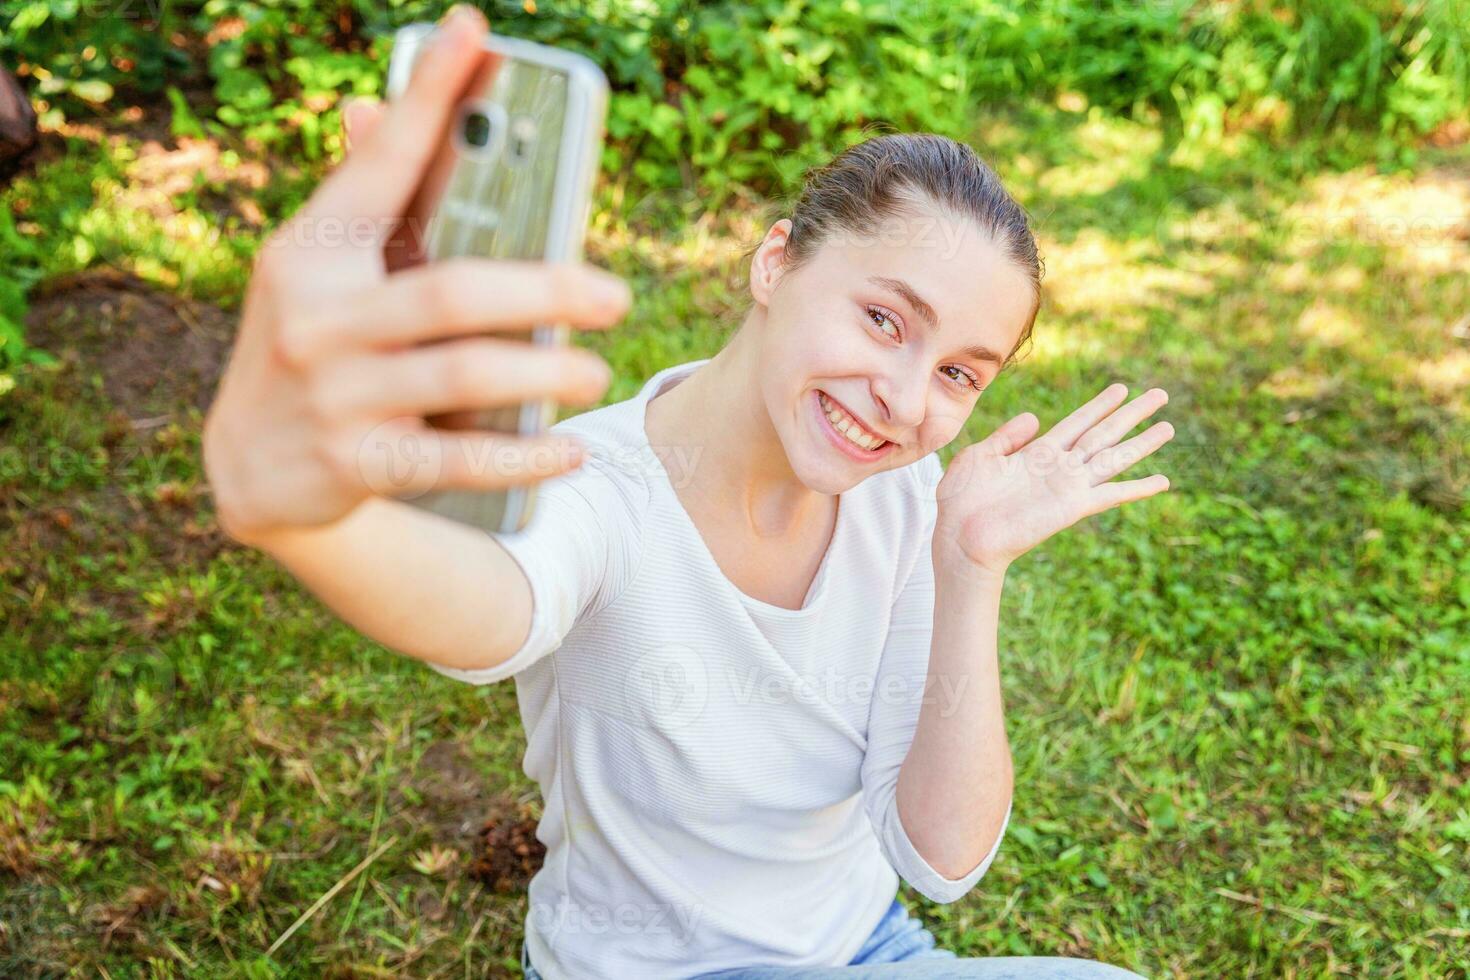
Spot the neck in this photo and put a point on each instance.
(716, 420)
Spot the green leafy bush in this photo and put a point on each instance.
(718, 94)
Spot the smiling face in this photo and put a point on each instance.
(874, 350)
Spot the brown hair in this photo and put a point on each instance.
(879, 177)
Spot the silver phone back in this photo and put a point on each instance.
(513, 180)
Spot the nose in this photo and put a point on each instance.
(900, 398)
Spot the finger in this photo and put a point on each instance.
(457, 297)
(360, 118)
(1011, 436)
(458, 375)
(379, 179)
(1109, 495)
(1066, 432)
(1108, 463)
(406, 459)
(1120, 423)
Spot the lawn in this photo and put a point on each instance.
(1238, 710)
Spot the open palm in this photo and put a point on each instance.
(1006, 494)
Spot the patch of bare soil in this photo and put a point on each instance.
(453, 793)
(157, 354)
(498, 830)
(158, 358)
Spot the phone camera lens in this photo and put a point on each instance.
(477, 130)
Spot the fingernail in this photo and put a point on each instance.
(456, 17)
(463, 12)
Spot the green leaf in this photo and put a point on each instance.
(183, 121)
(91, 90)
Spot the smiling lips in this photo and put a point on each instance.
(853, 431)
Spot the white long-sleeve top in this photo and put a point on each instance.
(718, 773)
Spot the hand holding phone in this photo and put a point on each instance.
(338, 362)
(512, 179)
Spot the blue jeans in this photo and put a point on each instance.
(900, 948)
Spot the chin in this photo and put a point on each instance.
(823, 471)
(824, 479)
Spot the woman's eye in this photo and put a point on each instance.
(963, 377)
(883, 321)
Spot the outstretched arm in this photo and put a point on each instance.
(318, 425)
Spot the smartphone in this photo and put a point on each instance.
(512, 179)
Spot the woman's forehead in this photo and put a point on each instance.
(962, 285)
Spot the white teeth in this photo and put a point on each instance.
(847, 425)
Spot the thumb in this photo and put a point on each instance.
(1012, 435)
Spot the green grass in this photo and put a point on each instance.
(1237, 711)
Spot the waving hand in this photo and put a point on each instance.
(1006, 494)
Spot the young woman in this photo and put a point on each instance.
(753, 623)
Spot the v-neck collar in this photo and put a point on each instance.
(660, 476)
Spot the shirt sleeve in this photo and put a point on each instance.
(894, 715)
(578, 552)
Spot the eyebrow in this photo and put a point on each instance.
(926, 312)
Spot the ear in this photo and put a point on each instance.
(769, 260)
